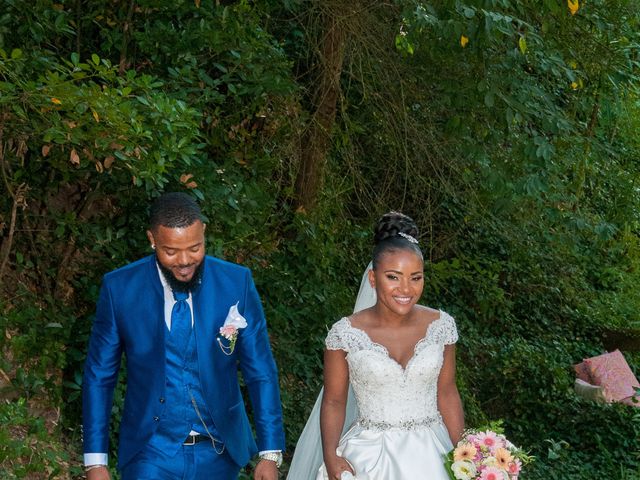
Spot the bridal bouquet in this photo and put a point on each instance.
(485, 455)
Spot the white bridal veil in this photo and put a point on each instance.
(307, 457)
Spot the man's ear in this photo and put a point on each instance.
(152, 241)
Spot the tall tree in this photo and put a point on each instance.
(325, 86)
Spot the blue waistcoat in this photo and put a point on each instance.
(179, 416)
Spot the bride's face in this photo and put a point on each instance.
(398, 280)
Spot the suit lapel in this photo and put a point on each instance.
(156, 304)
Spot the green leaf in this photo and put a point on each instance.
(143, 100)
(522, 45)
(75, 58)
(220, 67)
(198, 194)
(552, 5)
(233, 203)
(489, 99)
(95, 59)
(509, 116)
(16, 53)
(403, 45)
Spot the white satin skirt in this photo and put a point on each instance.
(395, 454)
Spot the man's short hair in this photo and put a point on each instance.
(174, 210)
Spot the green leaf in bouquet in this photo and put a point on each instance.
(448, 461)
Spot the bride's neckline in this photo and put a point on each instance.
(386, 350)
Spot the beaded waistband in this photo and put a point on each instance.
(414, 424)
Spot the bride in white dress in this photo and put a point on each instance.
(399, 359)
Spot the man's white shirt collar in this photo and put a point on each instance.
(169, 300)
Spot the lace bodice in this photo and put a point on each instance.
(388, 395)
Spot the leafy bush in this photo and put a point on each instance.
(27, 447)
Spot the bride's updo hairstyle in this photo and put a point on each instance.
(394, 231)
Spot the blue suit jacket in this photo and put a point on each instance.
(130, 320)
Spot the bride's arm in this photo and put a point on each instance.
(449, 403)
(332, 411)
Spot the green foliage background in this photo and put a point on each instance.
(517, 153)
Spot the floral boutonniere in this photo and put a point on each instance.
(229, 331)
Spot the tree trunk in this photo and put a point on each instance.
(126, 34)
(316, 140)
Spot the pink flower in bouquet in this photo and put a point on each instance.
(514, 467)
(492, 473)
(490, 440)
(472, 438)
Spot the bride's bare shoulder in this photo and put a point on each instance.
(428, 313)
(361, 318)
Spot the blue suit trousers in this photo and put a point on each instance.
(191, 462)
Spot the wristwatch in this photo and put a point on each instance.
(87, 468)
(273, 456)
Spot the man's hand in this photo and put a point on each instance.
(100, 473)
(266, 470)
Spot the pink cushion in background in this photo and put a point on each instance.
(582, 373)
(612, 372)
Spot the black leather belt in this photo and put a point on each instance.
(193, 439)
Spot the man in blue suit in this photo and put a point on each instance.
(185, 323)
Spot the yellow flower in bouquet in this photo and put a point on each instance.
(503, 458)
(464, 451)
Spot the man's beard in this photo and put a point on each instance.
(178, 285)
